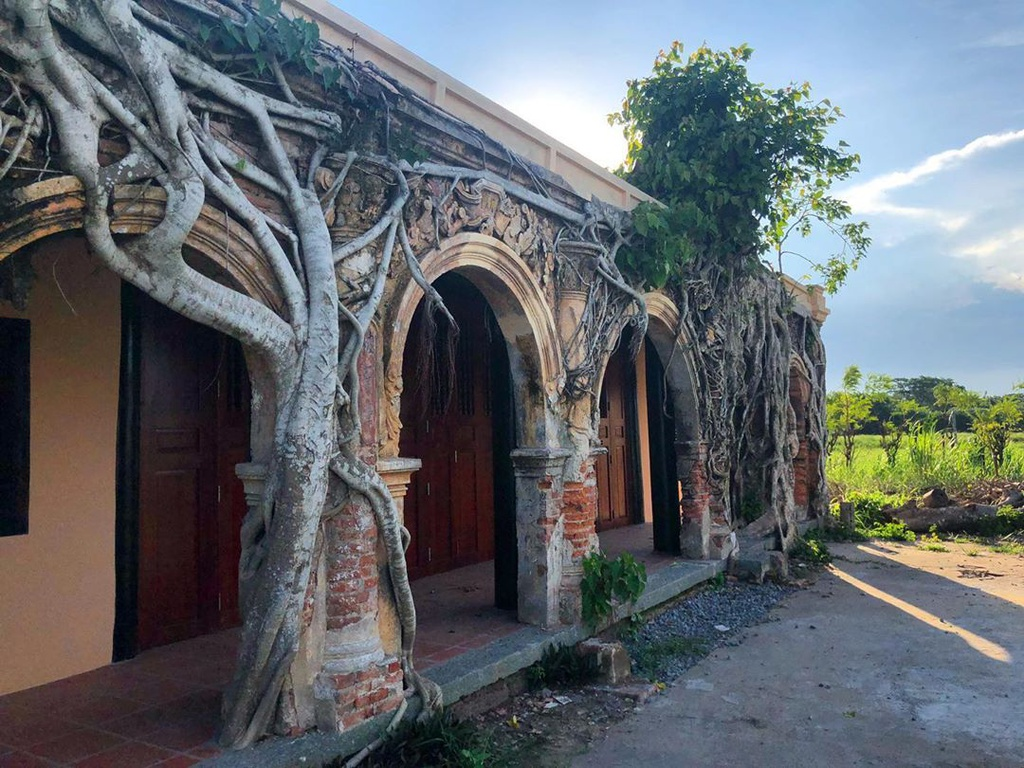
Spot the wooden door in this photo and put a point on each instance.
(447, 423)
(193, 428)
(615, 473)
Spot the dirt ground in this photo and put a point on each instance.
(895, 656)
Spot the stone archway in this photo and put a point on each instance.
(527, 325)
(696, 526)
(222, 250)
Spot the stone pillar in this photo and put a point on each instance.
(397, 474)
(579, 505)
(540, 532)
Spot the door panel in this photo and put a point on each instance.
(616, 484)
(193, 429)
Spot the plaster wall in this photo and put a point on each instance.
(57, 582)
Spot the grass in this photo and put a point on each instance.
(649, 658)
(924, 461)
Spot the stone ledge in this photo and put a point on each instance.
(461, 676)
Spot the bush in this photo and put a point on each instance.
(891, 531)
(604, 580)
(810, 549)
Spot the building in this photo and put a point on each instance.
(137, 443)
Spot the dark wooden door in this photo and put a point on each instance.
(447, 423)
(661, 427)
(193, 428)
(616, 482)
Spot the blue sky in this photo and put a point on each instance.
(933, 92)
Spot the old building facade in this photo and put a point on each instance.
(557, 406)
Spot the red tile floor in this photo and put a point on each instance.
(162, 707)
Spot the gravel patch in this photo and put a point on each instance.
(679, 637)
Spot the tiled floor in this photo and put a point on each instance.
(162, 707)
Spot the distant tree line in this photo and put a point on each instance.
(893, 408)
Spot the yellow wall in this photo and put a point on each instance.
(57, 582)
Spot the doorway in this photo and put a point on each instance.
(458, 420)
(619, 490)
(187, 401)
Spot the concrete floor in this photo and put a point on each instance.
(897, 657)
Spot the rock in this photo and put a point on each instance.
(935, 498)
(612, 660)
(1012, 497)
(951, 518)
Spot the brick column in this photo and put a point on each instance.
(579, 507)
(358, 679)
(695, 524)
(539, 533)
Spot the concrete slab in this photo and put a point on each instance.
(898, 656)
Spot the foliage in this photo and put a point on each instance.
(649, 658)
(811, 549)
(740, 167)
(920, 389)
(439, 741)
(891, 531)
(562, 665)
(993, 425)
(926, 460)
(605, 580)
(847, 412)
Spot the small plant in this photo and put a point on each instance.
(561, 665)
(932, 542)
(891, 531)
(810, 549)
(1009, 548)
(622, 579)
(440, 741)
(649, 658)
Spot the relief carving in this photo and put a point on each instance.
(391, 415)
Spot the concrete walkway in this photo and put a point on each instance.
(897, 657)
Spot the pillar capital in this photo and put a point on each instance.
(539, 462)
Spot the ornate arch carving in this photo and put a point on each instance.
(523, 313)
(57, 205)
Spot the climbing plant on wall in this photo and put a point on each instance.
(738, 169)
(231, 105)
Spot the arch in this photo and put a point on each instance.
(664, 331)
(58, 205)
(525, 319)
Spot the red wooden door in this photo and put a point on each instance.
(449, 508)
(614, 475)
(193, 428)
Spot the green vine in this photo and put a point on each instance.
(604, 581)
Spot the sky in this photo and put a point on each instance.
(933, 97)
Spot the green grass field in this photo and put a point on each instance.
(923, 462)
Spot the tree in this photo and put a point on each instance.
(919, 388)
(200, 103)
(993, 424)
(848, 411)
(739, 167)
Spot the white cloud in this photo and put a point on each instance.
(872, 196)
(999, 259)
(1006, 38)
